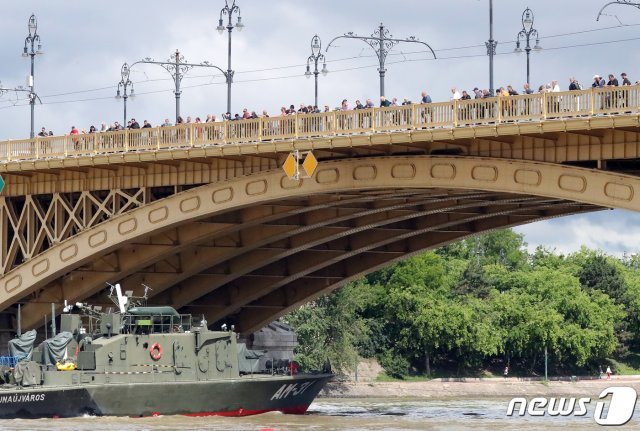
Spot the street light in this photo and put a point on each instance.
(177, 67)
(229, 10)
(622, 2)
(527, 33)
(125, 83)
(381, 42)
(30, 50)
(315, 57)
(491, 48)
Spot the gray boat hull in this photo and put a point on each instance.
(246, 395)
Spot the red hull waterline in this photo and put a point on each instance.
(242, 412)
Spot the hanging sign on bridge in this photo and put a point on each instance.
(297, 159)
(1, 184)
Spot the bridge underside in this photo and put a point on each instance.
(251, 265)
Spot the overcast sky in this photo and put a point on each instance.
(86, 43)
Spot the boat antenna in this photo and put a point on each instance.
(53, 319)
(19, 320)
(146, 290)
(122, 300)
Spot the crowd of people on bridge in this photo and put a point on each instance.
(477, 93)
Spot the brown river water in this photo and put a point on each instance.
(340, 414)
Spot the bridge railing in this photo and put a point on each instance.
(458, 113)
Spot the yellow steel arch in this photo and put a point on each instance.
(592, 187)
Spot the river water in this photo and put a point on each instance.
(339, 415)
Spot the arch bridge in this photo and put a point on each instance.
(204, 215)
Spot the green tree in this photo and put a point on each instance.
(598, 272)
(474, 281)
(328, 330)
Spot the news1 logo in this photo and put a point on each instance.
(620, 411)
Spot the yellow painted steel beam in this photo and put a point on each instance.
(350, 177)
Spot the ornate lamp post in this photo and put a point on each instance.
(527, 33)
(229, 10)
(177, 67)
(622, 2)
(381, 42)
(491, 49)
(315, 57)
(125, 83)
(30, 43)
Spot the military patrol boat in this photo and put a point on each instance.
(144, 361)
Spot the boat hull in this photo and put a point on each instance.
(243, 396)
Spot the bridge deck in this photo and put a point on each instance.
(535, 113)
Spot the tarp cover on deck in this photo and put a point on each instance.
(54, 349)
(248, 360)
(22, 347)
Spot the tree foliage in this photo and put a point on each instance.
(478, 304)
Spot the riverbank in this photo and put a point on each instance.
(476, 388)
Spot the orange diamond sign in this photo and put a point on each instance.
(310, 164)
(290, 166)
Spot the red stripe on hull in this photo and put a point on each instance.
(242, 412)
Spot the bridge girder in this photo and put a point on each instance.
(205, 248)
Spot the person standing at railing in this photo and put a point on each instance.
(625, 92)
(426, 112)
(504, 103)
(598, 82)
(625, 80)
(479, 107)
(612, 101)
(574, 85)
(513, 109)
(76, 141)
(554, 101)
(526, 90)
(44, 145)
(134, 124)
(361, 120)
(465, 110)
(489, 107)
